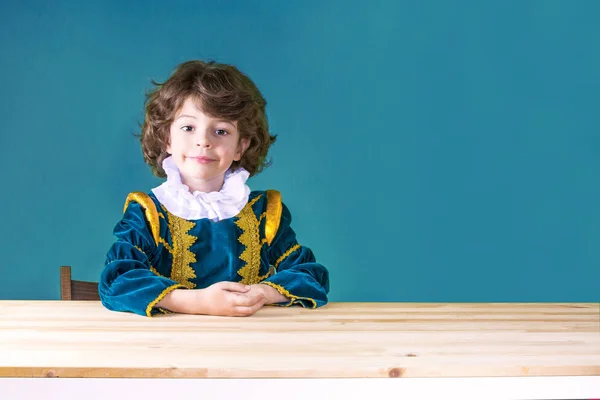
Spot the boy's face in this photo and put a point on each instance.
(203, 147)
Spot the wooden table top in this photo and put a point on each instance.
(83, 339)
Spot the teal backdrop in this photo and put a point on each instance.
(428, 150)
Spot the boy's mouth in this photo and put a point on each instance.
(202, 159)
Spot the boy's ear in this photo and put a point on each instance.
(242, 147)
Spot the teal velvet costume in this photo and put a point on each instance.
(157, 252)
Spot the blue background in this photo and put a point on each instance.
(429, 151)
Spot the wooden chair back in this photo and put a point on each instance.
(76, 290)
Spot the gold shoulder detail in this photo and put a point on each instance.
(150, 211)
(273, 214)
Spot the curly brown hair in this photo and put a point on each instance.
(222, 91)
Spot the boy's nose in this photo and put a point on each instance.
(202, 141)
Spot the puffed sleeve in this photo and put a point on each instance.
(127, 282)
(297, 274)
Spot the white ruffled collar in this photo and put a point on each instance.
(216, 206)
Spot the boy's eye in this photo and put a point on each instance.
(221, 132)
(187, 128)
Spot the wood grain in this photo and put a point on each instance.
(82, 339)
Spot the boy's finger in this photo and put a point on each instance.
(249, 310)
(234, 287)
(248, 300)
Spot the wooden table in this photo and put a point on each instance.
(546, 350)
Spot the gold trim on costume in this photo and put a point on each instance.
(286, 255)
(154, 271)
(273, 214)
(160, 297)
(250, 238)
(293, 299)
(150, 211)
(181, 269)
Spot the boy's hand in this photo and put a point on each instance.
(230, 299)
(270, 293)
